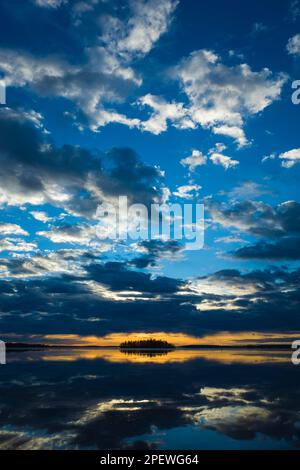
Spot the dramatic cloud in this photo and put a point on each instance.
(258, 218)
(77, 290)
(281, 224)
(36, 172)
(104, 75)
(154, 250)
(285, 249)
(100, 79)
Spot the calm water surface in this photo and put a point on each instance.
(106, 399)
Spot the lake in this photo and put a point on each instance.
(108, 399)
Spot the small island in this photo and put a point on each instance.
(149, 344)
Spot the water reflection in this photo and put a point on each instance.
(106, 399)
(223, 356)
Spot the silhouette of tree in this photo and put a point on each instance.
(147, 344)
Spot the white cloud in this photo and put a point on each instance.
(150, 19)
(223, 160)
(16, 244)
(11, 229)
(106, 75)
(74, 234)
(218, 158)
(215, 156)
(293, 45)
(186, 192)
(222, 97)
(290, 158)
(163, 114)
(219, 97)
(193, 161)
(232, 131)
(41, 216)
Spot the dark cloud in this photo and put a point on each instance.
(34, 171)
(156, 249)
(287, 248)
(278, 228)
(76, 293)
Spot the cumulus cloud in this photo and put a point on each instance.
(101, 78)
(216, 156)
(223, 160)
(105, 76)
(163, 114)
(137, 35)
(234, 132)
(222, 97)
(290, 158)
(194, 160)
(293, 45)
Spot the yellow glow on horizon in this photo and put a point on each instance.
(224, 338)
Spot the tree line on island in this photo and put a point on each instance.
(147, 344)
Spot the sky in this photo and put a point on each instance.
(163, 101)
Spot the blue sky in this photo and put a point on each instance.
(149, 98)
